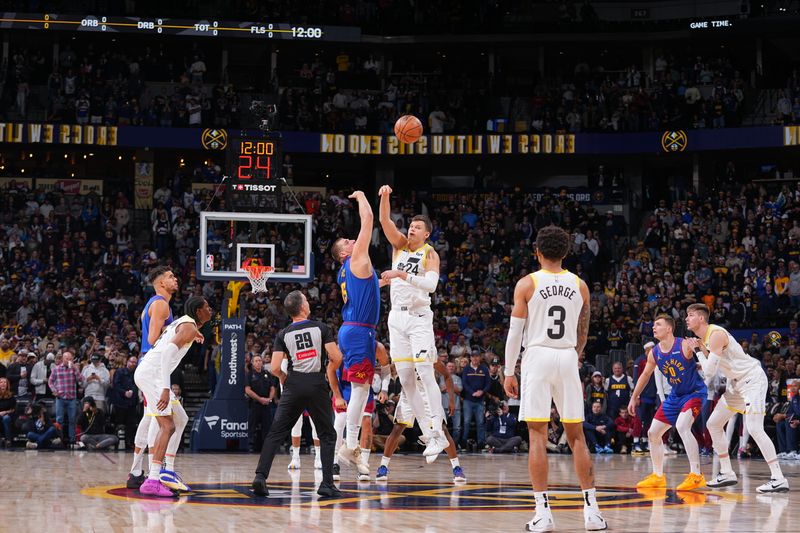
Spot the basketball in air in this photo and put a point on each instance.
(408, 129)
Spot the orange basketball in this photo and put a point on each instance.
(408, 129)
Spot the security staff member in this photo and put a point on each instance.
(261, 388)
(308, 345)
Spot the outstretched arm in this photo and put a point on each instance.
(393, 234)
(519, 313)
(359, 261)
(641, 383)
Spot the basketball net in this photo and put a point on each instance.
(258, 276)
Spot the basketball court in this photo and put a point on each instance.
(85, 491)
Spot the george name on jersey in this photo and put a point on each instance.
(557, 290)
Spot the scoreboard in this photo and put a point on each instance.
(156, 26)
(254, 169)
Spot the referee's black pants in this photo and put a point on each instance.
(302, 391)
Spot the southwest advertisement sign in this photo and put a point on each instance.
(221, 424)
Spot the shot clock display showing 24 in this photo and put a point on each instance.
(259, 158)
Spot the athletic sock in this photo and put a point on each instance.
(155, 470)
(385, 461)
(317, 452)
(365, 455)
(150, 461)
(635, 440)
(590, 499)
(136, 468)
(295, 452)
(725, 464)
(775, 470)
(542, 503)
(454, 462)
(169, 462)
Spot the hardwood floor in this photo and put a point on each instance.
(85, 491)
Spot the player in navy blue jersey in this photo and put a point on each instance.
(675, 360)
(360, 315)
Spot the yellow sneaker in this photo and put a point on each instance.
(652, 481)
(692, 482)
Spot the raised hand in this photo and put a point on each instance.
(385, 190)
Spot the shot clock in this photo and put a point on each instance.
(255, 164)
(252, 157)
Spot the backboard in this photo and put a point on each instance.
(228, 239)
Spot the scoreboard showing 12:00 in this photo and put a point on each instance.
(180, 27)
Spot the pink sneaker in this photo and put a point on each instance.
(153, 487)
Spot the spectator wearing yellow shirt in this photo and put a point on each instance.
(781, 281)
(6, 353)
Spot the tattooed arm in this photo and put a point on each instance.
(583, 320)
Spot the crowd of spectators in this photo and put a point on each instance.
(140, 86)
(72, 286)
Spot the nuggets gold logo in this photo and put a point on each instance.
(214, 139)
(414, 496)
(674, 141)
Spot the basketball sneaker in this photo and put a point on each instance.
(336, 472)
(172, 480)
(726, 479)
(294, 464)
(361, 476)
(382, 474)
(153, 487)
(692, 482)
(638, 451)
(353, 457)
(653, 481)
(541, 522)
(436, 445)
(134, 482)
(458, 475)
(593, 520)
(774, 485)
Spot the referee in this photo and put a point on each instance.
(307, 344)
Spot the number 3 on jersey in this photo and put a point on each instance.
(558, 314)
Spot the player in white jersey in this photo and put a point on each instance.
(745, 393)
(413, 277)
(551, 312)
(152, 376)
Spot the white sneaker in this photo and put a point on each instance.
(294, 464)
(774, 485)
(436, 445)
(794, 456)
(669, 451)
(317, 462)
(541, 522)
(593, 520)
(361, 476)
(725, 479)
(349, 456)
(783, 455)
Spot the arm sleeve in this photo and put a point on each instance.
(710, 364)
(427, 283)
(514, 344)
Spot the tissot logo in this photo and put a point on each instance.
(211, 421)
